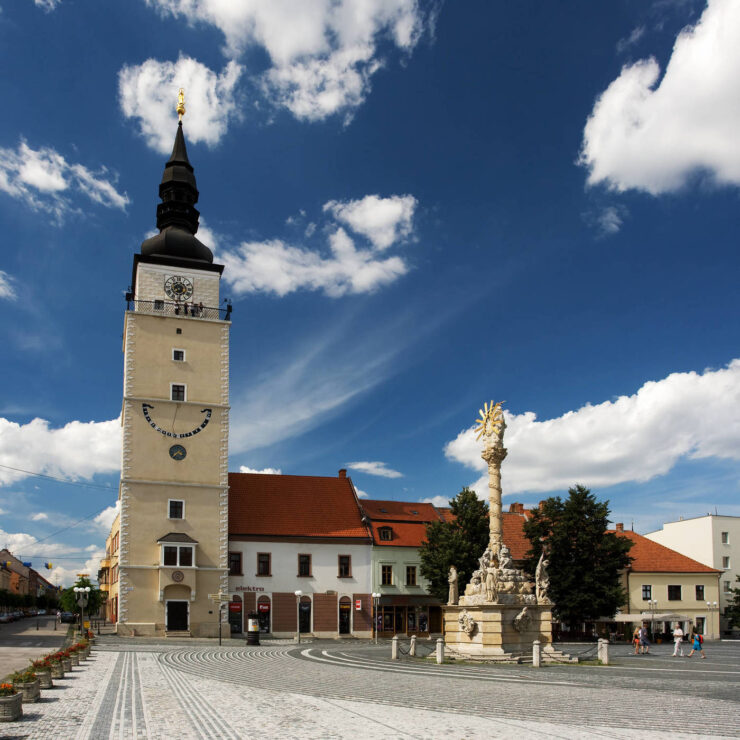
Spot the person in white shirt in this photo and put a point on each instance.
(678, 641)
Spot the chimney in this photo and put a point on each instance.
(619, 527)
(516, 508)
(342, 472)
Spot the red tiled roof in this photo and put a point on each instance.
(650, 557)
(446, 513)
(293, 505)
(405, 534)
(512, 526)
(399, 511)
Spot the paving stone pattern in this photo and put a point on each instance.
(326, 689)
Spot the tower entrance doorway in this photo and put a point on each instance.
(177, 616)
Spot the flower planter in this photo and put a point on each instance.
(67, 665)
(75, 659)
(45, 681)
(30, 692)
(57, 670)
(11, 708)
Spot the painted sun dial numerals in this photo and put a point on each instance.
(178, 288)
(178, 452)
(145, 407)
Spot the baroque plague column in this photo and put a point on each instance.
(501, 612)
(174, 470)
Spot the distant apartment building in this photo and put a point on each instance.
(713, 540)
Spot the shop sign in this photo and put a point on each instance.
(250, 588)
(358, 605)
(263, 607)
(235, 606)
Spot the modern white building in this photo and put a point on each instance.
(712, 539)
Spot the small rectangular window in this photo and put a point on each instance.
(726, 587)
(726, 562)
(386, 575)
(304, 566)
(647, 593)
(170, 555)
(186, 557)
(345, 566)
(700, 593)
(385, 533)
(235, 563)
(263, 564)
(674, 593)
(158, 305)
(410, 575)
(178, 355)
(725, 538)
(178, 392)
(177, 509)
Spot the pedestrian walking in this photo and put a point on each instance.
(636, 639)
(678, 641)
(644, 644)
(698, 645)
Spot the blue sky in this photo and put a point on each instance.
(421, 206)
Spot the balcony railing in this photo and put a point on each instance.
(183, 310)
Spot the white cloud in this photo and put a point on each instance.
(653, 134)
(105, 519)
(264, 471)
(39, 516)
(636, 34)
(442, 501)
(47, 5)
(76, 450)
(635, 438)
(276, 267)
(3, 511)
(608, 220)
(322, 54)
(382, 220)
(44, 180)
(7, 290)
(361, 494)
(149, 93)
(375, 468)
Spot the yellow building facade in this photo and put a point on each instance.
(169, 544)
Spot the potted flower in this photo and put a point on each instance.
(73, 654)
(28, 684)
(66, 660)
(10, 703)
(57, 669)
(42, 668)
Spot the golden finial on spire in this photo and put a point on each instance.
(180, 104)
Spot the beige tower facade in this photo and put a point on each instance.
(173, 525)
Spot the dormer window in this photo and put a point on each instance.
(385, 533)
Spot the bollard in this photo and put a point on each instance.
(603, 651)
(394, 648)
(412, 649)
(440, 649)
(536, 653)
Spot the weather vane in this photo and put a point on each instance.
(180, 104)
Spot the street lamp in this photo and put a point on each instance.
(83, 594)
(712, 606)
(298, 595)
(376, 601)
(652, 605)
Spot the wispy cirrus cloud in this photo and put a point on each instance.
(653, 134)
(45, 181)
(7, 290)
(635, 438)
(374, 468)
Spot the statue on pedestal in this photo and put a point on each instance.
(452, 580)
(542, 580)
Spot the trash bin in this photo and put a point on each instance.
(253, 628)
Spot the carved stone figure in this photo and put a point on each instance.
(491, 585)
(504, 558)
(466, 622)
(522, 620)
(542, 580)
(452, 580)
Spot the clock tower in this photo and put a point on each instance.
(173, 525)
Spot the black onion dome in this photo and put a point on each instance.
(177, 216)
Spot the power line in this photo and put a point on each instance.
(58, 480)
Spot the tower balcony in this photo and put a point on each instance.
(183, 310)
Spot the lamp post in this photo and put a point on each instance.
(652, 605)
(83, 594)
(712, 606)
(376, 602)
(298, 595)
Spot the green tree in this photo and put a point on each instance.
(459, 542)
(585, 561)
(732, 610)
(68, 598)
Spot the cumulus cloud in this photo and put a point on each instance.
(635, 438)
(7, 290)
(104, 520)
(264, 471)
(274, 266)
(76, 450)
(375, 468)
(383, 221)
(361, 494)
(44, 180)
(322, 55)
(653, 134)
(148, 93)
(442, 501)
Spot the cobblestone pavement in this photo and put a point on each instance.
(326, 689)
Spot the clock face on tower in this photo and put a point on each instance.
(146, 408)
(178, 288)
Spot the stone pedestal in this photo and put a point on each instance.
(494, 636)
